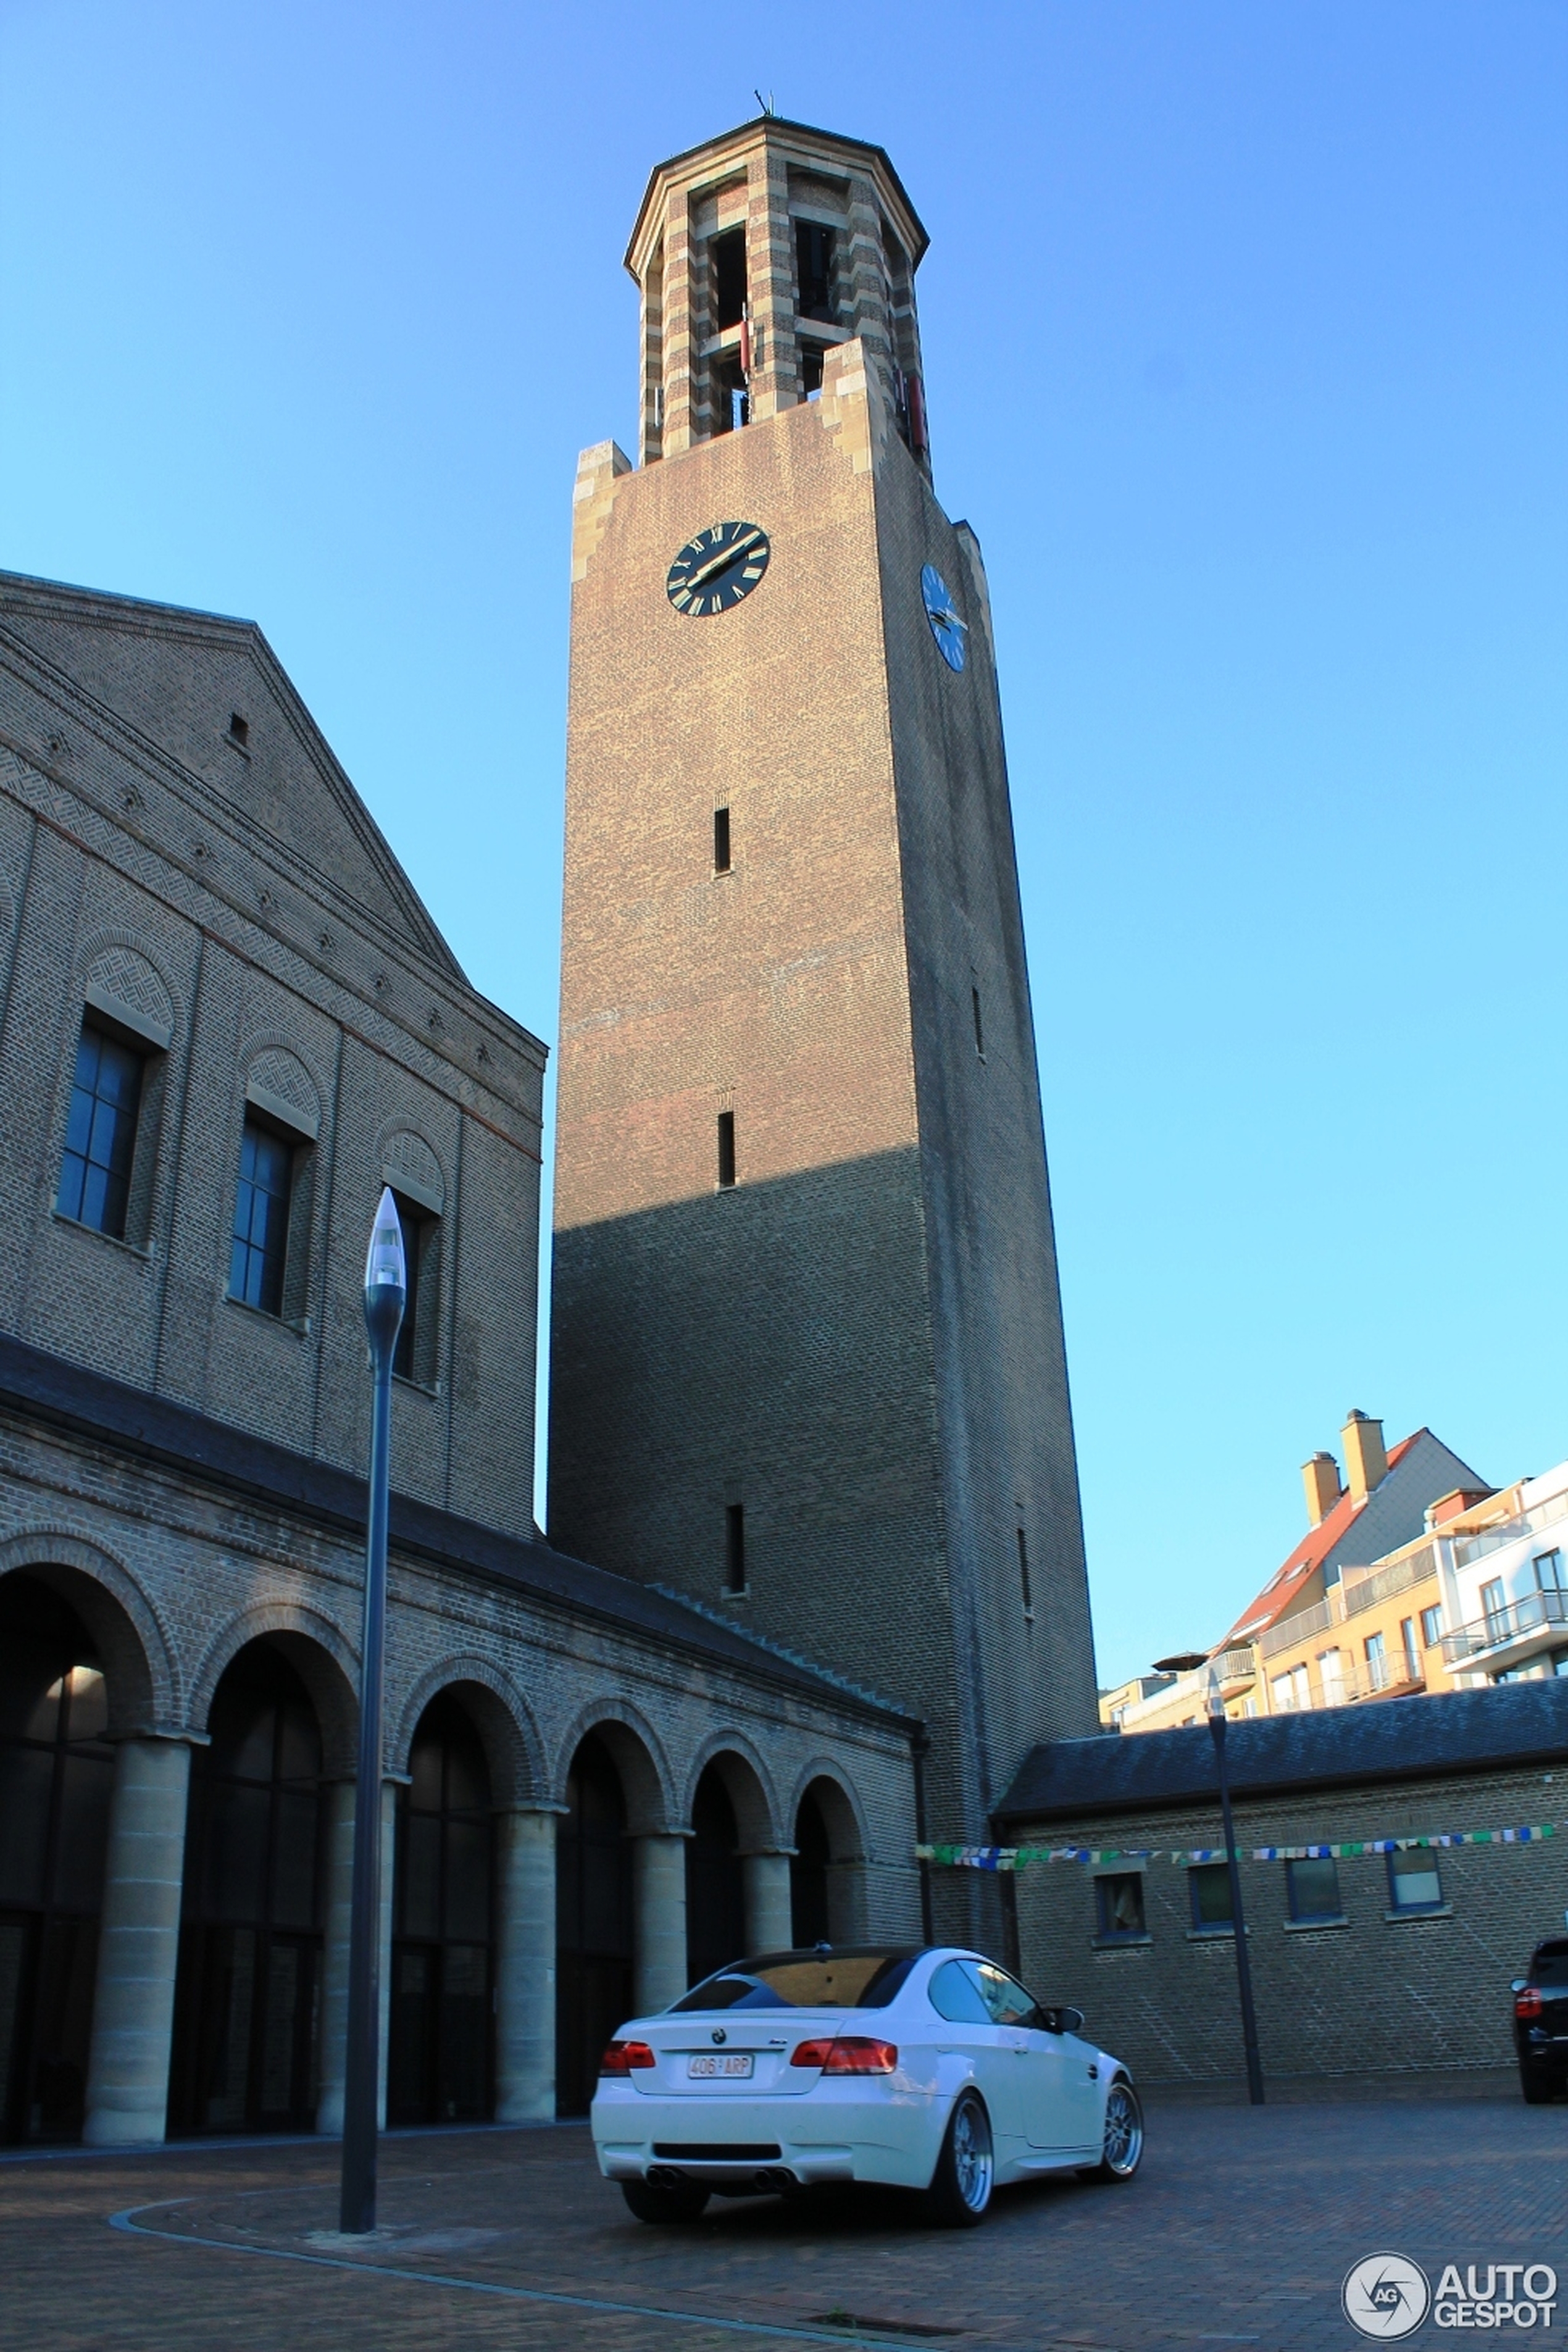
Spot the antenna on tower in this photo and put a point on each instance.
(765, 103)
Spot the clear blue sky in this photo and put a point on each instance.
(1245, 343)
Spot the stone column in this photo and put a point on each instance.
(525, 1965)
(769, 1925)
(338, 1877)
(337, 1880)
(138, 1945)
(659, 1882)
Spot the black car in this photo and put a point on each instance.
(1540, 2021)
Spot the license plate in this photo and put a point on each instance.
(731, 2064)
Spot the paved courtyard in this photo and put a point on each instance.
(1238, 2230)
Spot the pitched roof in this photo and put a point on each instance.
(1278, 1596)
(160, 681)
(1511, 1725)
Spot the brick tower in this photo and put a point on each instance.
(807, 1349)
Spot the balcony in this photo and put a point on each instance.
(1236, 1670)
(1506, 1637)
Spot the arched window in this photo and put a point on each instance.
(439, 2062)
(715, 1890)
(247, 2021)
(594, 1924)
(55, 1775)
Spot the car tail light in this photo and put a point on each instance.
(625, 2057)
(1527, 2002)
(848, 2053)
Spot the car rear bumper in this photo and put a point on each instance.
(755, 2145)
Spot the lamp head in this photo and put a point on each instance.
(386, 1278)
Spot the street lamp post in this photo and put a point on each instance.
(1189, 1661)
(386, 1292)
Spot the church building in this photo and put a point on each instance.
(812, 1587)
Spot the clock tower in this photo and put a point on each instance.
(808, 1364)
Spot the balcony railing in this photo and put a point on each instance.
(1236, 1665)
(1383, 1583)
(1500, 1627)
(1358, 1679)
(1530, 1523)
(1299, 1628)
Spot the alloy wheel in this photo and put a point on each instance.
(972, 2163)
(1123, 2131)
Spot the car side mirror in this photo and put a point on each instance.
(1518, 1985)
(1061, 2021)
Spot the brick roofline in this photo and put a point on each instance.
(49, 1388)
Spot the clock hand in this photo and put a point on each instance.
(723, 560)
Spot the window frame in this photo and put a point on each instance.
(1106, 1929)
(1299, 1917)
(1210, 1873)
(417, 1358)
(140, 1050)
(1428, 1857)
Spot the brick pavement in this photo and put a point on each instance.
(1238, 2230)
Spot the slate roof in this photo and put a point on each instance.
(1517, 1723)
(45, 1387)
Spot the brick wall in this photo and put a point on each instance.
(1378, 1994)
(250, 889)
(861, 1341)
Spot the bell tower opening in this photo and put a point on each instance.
(756, 255)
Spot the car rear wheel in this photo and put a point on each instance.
(1123, 2149)
(654, 2200)
(1535, 2083)
(965, 2172)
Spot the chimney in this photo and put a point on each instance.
(1321, 1477)
(1364, 1457)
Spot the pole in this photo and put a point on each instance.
(1238, 1923)
(386, 1289)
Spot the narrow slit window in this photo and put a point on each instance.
(726, 1149)
(722, 841)
(238, 728)
(734, 1547)
(1024, 1574)
(979, 1025)
(811, 359)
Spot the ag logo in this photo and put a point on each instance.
(1386, 2295)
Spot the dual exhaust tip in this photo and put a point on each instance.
(773, 2180)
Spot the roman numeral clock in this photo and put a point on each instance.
(716, 569)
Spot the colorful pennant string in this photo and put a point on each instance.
(1020, 1857)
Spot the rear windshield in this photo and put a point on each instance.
(805, 1980)
(1550, 1966)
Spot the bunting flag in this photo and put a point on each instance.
(1020, 1857)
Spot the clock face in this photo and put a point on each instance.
(943, 613)
(718, 567)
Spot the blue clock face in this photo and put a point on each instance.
(946, 626)
(718, 567)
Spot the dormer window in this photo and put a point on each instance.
(814, 259)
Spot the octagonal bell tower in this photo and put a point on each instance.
(807, 1364)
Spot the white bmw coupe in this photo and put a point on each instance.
(929, 2069)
